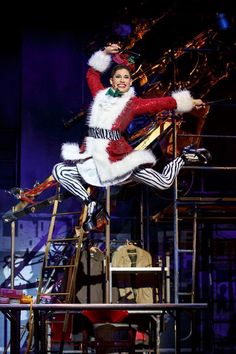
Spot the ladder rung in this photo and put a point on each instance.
(52, 294)
(64, 239)
(185, 251)
(60, 266)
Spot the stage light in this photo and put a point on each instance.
(222, 21)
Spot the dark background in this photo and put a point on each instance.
(43, 61)
(44, 48)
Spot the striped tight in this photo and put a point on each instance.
(70, 179)
(158, 180)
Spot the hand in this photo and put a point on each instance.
(198, 103)
(112, 48)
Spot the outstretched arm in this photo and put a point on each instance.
(181, 101)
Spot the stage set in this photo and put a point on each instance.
(157, 273)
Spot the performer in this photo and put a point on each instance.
(105, 157)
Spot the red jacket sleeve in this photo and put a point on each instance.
(94, 81)
(153, 105)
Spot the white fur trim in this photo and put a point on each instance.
(100, 61)
(71, 151)
(116, 170)
(105, 109)
(105, 173)
(109, 172)
(184, 101)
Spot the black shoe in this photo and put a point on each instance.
(96, 216)
(192, 156)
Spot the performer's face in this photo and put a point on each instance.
(121, 80)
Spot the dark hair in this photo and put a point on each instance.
(119, 67)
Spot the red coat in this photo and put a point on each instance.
(113, 161)
(134, 107)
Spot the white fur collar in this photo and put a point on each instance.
(105, 109)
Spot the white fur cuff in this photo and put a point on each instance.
(70, 151)
(184, 101)
(100, 61)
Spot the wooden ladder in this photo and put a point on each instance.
(69, 265)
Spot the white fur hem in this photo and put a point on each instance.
(120, 170)
(99, 171)
(100, 61)
(184, 101)
(71, 151)
(106, 173)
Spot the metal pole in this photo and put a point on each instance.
(15, 331)
(108, 232)
(194, 253)
(148, 246)
(13, 235)
(142, 218)
(175, 226)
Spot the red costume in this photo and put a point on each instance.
(106, 160)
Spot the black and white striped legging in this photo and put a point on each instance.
(70, 179)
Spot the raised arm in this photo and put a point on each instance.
(98, 63)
